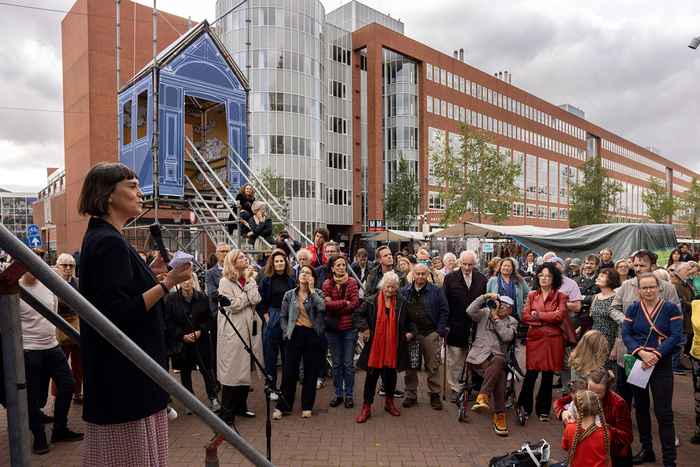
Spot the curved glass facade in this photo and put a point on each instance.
(281, 47)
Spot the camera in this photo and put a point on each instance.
(492, 304)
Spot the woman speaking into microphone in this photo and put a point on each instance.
(124, 410)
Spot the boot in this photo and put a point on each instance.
(365, 413)
(390, 407)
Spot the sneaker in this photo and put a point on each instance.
(349, 403)
(172, 413)
(277, 414)
(482, 403)
(678, 441)
(336, 401)
(435, 401)
(274, 396)
(320, 382)
(247, 414)
(544, 418)
(40, 446)
(398, 394)
(381, 391)
(65, 435)
(409, 402)
(214, 404)
(305, 414)
(499, 424)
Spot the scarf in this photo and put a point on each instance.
(509, 290)
(383, 351)
(340, 280)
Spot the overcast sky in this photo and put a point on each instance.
(625, 63)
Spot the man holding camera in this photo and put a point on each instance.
(496, 328)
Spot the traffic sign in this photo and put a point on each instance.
(33, 236)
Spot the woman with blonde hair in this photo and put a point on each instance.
(590, 353)
(587, 440)
(233, 362)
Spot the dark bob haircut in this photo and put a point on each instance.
(99, 184)
(612, 277)
(553, 270)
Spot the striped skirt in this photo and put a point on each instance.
(141, 443)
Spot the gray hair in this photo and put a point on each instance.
(469, 252)
(390, 276)
(449, 256)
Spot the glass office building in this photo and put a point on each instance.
(16, 211)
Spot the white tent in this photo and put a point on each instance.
(474, 229)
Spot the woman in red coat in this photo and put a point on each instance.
(543, 313)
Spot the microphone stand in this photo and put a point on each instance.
(269, 387)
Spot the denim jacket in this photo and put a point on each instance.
(315, 308)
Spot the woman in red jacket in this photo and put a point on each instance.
(617, 415)
(543, 313)
(342, 299)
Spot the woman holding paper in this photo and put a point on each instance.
(651, 330)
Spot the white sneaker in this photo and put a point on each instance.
(305, 414)
(319, 383)
(277, 414)
(172, 413)
(274, 396)
(214, 405)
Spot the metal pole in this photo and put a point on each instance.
(15, 380)
(122, 343)
(154, 142)
(118, 53)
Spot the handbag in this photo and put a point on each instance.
(628, 358)
(529, 455)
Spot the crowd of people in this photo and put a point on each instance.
(580, 325)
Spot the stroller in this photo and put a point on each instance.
(513, 373)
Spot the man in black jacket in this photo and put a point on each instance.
(385, 263)
(461, 287)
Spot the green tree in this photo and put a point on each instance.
(660, 202)
(475, 178)
(593, 197)
(402, 197)
(691, 205)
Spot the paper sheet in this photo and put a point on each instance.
(639, 376)
(180, 258)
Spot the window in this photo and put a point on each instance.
(142, 114)
(430, 104)
(435, 200)
(518, 209)
(428, 71)
(553, 179)
(530, 210)
(126, 123)
(337, 89)
(542, 212)
(436, 74)
(461, 85)
(337, 125)
(337, 160)
(563, 213)
(443, 109)
(531, 176)
(553, 213)
(340, 54)
(542, 179)
(449, 79)
(437, 106)
(450, 110)
(443, 77)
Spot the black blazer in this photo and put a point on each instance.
(459, 297)
(113, 279)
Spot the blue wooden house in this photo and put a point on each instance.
(202, 95)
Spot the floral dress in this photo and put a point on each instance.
(600, 315)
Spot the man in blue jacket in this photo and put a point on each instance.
(428, 309)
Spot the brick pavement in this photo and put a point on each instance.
(420, 437)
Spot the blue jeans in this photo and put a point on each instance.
(342, 346)
(272, 344)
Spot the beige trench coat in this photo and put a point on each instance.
(233, 363)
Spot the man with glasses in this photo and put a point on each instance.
(65, 265)
(461, 287)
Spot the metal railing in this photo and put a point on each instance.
(112, 334)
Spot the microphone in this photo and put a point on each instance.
(223, 301)
(157, 235)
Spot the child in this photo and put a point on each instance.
(590, 353)
(587, 440)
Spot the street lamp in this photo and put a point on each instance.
(694, 43)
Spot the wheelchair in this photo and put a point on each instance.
(471, 384)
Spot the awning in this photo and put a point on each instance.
(396, 236)
(473, 229)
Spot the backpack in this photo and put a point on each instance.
(527, 456)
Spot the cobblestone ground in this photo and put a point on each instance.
(420, 437)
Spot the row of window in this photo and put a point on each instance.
(288, 145)
(294, 188)
(279, 17)
(485, 122)
(404, 137)
(625, 169)
(401, 105)
(337, 160)
(339, 54)
(629, 154)
(682, 176)
(337, 89)
(458, 83)
(337, 125)
(398, 69)
(282, 60)
(285, 102)
(339, 197)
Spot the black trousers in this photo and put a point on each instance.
(661, 387)
(543, 403)
(624, 389)
(304, 345)
(207, 375)
(40, 366)
(234, 401)
(388, 376)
